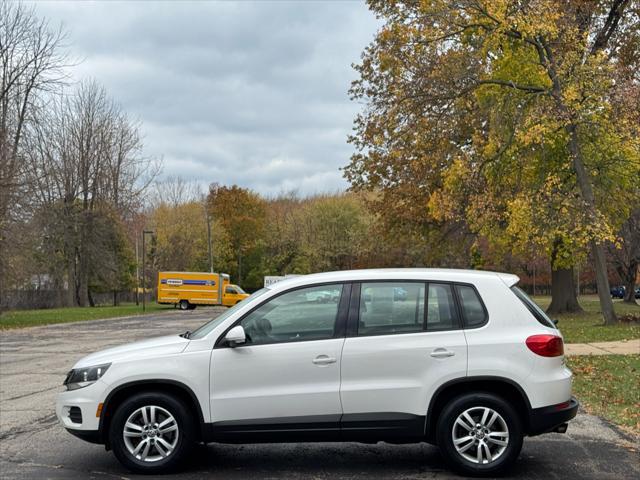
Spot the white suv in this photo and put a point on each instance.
(462, 359)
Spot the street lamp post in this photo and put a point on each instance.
(144, 269)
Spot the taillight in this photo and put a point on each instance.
(546, 345)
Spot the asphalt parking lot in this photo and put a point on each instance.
(34, 361)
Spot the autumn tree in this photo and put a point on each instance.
(241, 213)
(283, 229)
(181, 237)
(334, 230)
(501, 114)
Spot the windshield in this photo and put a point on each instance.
(239, 290)
(533, 307)
(209, 326)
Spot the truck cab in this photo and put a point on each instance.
(233, 294)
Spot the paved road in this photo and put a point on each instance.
(33, 363)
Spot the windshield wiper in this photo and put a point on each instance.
(186, 334)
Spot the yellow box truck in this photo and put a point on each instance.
(188, 289)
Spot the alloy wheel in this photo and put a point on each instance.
(150, 433)
(480, 435)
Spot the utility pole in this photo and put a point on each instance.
(144, 270)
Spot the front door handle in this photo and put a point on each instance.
(324, 360)
(442, 353)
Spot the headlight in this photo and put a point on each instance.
(83, 377)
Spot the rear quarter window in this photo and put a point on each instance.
(533, 307)
(473, 311)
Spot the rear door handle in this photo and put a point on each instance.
(324, 360)
(442, 353)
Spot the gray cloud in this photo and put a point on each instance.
(253, 93)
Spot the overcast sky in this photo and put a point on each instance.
(251, 93)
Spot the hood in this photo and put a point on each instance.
(152, 347)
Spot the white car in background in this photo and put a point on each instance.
(464, 360)
(320, 296)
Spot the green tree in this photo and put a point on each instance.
(112, 261)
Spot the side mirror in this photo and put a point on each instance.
(555, 322)
(235, 336)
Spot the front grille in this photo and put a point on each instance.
(75, 415)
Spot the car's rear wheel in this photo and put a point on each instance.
(479, 434)
(184, 305)
(151, 433)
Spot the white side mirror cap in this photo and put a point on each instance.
(235, 336)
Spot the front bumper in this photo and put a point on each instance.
(547, 419)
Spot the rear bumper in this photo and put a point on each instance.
(547, 419)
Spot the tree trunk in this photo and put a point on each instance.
(630, 283)
(71, 280)
(563, 292)
(597, 250)
(83, 279)
(2, 300)
(630, 293)
(83, 260)
(239, 268)
(70, 251)
(586, 190)
(602, 282)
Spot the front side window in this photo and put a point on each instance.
(299, 315)
(441, 308)
(472, 309)
(391, 307)
(230, 290)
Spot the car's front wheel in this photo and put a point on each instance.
(151, 433)
(479, 434)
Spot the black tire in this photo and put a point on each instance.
(183, 305)
(445, 428)
(185, 433)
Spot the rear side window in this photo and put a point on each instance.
(472, 309)
(390, 307)
(533, 307)
(441, 308)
